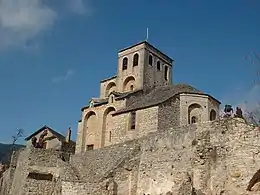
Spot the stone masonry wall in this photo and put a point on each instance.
(146, 122)
(169, 114)
(186, 102)
(96, 125)
(212, 158)
(40, 163)
(115, 165)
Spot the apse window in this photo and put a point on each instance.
(194, 119)
(132, 120)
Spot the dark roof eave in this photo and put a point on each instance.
(134, 109)
(96, 105)
(110, 78)
(123, 96)
(58, 135)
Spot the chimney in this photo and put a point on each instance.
(68, 135)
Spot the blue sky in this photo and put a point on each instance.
(54, 53)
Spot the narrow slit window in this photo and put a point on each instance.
(158, 65)
(150, 60)
(132, 120)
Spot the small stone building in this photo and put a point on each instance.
(54, 140)
(140, 99)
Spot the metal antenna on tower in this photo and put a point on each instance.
(147, 34)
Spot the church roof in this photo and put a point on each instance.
(55, 133)
(159, 96)
(118, 96)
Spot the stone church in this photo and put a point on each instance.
(141, 99)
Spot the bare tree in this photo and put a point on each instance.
(253, 115)
(19, 134)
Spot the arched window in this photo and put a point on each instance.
(213, 115)
(166, 73)
(194, 113)
(111, 98)
(131, 87)
(158, 65)
(136, 59)
(151, 60)
(194, 119)
(91, 104)
(125, 62)
(132, 120)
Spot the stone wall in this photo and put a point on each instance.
(146, 122)
(106, 86)
(134, 72)
(169, 114)
(199, 106)
(37, 171)
(212, 158)
(154, 77)
(93, 126)
(115, 166)
(5, 182)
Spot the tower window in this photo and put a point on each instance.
(158, 65)
(125, 62)
(150, 60)
(136, 59)
(132, 120)
(166, 73)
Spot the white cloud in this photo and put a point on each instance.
(22, 21)
(247, 99)
(78, 6)
(251, 99)
(65, 77)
